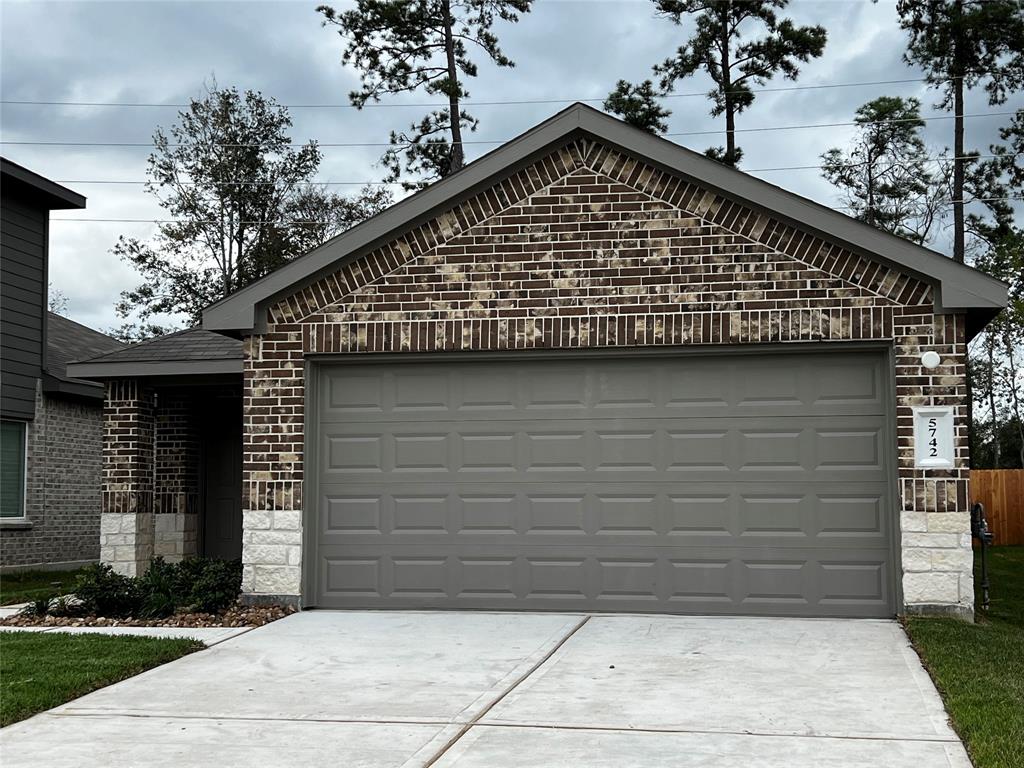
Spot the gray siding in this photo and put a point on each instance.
(23, 236)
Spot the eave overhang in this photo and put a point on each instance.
(957, 288)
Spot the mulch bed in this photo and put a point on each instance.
(235, 616)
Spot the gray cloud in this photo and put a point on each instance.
(163, 52)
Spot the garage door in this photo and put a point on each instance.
(742, 484)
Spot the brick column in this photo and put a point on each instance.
(126, 522)
(176, 491)
(272, 436)
(938, 574)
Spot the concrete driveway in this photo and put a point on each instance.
(476, 690)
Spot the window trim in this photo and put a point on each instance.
(22, 519)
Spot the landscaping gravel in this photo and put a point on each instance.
(235, 616)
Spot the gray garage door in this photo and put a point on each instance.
(744, 484)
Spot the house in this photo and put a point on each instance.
(52, 426)
(592, 370)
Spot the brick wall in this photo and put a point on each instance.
(62, 501)
(591, 248)
(126, 525)
(176, 478)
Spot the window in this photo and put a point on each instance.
(12, 469)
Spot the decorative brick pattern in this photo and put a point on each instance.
(591, 248)
(62, 500)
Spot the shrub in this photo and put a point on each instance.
(38, 607)
(194, 584)
(66, 605)
(103, 592)
(208, 586)
(159, 589)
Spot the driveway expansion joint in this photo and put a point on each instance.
(543, 660)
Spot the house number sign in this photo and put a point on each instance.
(933, 438)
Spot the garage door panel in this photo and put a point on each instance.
(752, 515)
(743, 484)
(830, 385)
(717, 579)
(811, 449)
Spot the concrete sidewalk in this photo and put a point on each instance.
(489, 689)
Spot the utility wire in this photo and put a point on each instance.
(469, 103)
(318, 222)
(938, 159)
(716, 132)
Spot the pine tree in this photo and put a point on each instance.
(961, 44)
(400, 46)
(725, 47)
(638, 105)
(887, 176)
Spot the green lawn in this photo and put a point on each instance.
(979, 668)
(39, 670)
(23, 586)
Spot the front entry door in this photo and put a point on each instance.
(222, 468)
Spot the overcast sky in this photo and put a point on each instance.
(163, 52)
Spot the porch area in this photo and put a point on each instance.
(172, 450)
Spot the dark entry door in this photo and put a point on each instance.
(222, 471)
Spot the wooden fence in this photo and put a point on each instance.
(1002, 493)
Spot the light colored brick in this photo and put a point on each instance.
(949, 522)
(915, 559)
(287, 520)
(276, 580)
(256, 519)
(961, 560)
(914, 521)
(931, 540)
(931, 588)
(274, 537)
(265, 554)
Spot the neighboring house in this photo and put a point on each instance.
(51, 440)
(592, 370)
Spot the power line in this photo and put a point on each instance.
(938, 159)
(319, 222)
(238, 183)
(715, 132)
(469, 103)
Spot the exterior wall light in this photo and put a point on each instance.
(930, 359)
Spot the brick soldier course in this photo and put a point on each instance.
(586, 247)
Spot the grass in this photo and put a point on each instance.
(39, 670)
(979, 668)
(24, 586)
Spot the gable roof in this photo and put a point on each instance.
(21, 181)
(958, 288)
(67, 340)
(188, 352)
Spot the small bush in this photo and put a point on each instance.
(66, 605)
(103, 592)
(38, 607)
(194, 584)
(159, 588)
(208, 586)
